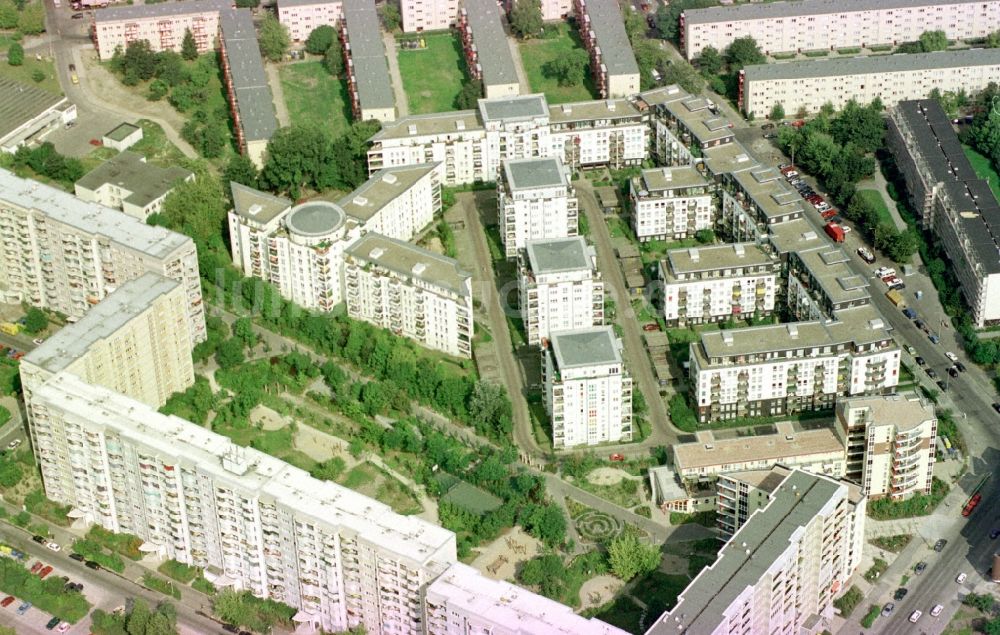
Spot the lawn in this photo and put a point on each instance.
(432, 76)
(314, 96)
(984, 169)
(24, 72)
(875, 198)
(372, 481)
(535, 54)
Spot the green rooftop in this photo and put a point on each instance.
(122, 132)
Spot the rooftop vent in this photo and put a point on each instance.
(255, 209)
(419, 268)
(389, 178)
(793, 331)
(376, 253)
(668, 174)
(611, 104)
(567, 109)
(693, 253)
(709, 446)
(460, 124)
(742, 158)
(876, 324)
(412, 128)
(789, 437)
(727, 338)
(739, 249)
(360, 201)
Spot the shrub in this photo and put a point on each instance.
(849, 601)
(165, 587)
(179, 571)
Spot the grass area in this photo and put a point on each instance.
(984, 169)
(203, 585)
(165, 587)
(659, 591)
(625, 493)
(179, 571)
(314, 96)
(875, 198)
(155, 146)
(919, 505)
(870, 616)
(623, 613)
(93, 551)
(849, 601)
(432, 76)
(25, 72)
(878, 568)
(705, 518)
(369, 480)
(535, 54)
(895, 544)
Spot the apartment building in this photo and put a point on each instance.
(740, 494)
(890, 443)
(411, 291)
(823, 25)
(487, 52)
(951, 201)
(535, 200)
(135, 342)
(787, 368)
(755, 197)
(462, 601)
(782, 570)
(60, 253)
(671, 203)
(251, 521)
(247, 91)
(559, 287)
(612, 62)
(611, 132)
(428, 15)
(302, 17)
(162, 25)
(367, 69)
(588, 391)
(684, 127)
(396, 202)
(808, 84)
(719, 282)
(820, 282)
(127, 182)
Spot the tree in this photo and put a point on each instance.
(545, 522)
(982, 601)
(903, 245)
(683, 74)
(742, 52)
(15, 54)
(635, 25)
(569, 69)
(243, 331)
(861, 125)
(138, 62)
(710, 61)
(321, 39)
(189, 48)
(197, 208)
(299, 156)
(468, 97)
(273, 38)
(389, 13)
(333, 61)
(649, 57)
(777, 112)
(158, 89)
(669, 14)
(230, 353)
(931, 41)
(247, 4)
(705, 236)
(490, 410)
(8, 15)
(240, 169)
(35, 321)
(993, 40)
(526, 18)
(32, 19)
(629, 557)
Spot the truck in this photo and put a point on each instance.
(10, 328)
(896, 298)
(834, 231)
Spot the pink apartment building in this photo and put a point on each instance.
(302, 16)
(162, 25)
(437, 15)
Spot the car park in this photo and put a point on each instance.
(915, 616)
(937, 610)
(900, 593)
(961, 577)
(920, 568)
(21, 610)
(888, 609)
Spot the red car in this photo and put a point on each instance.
(789, 168)
(7, 601)
(828, 214)
(44, 572)
(617, 457)
(799, 123)
(35, 568)
(815, 199)
(651, 327)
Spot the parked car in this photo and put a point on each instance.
(939, 547)
(919, 360)
(7, 601)
(900, 593)
(829, 215)
(90, 564)
(21, 610)
(996, 406)
(911, 350)
(887, 609)
(994, 534)
(940, 384)
(953, 371)
(617, 457)
(52, 623)
(63, 627)
(920, 568)
(791, 174)
(919, 324)
(76, 556)
(960, 366)
(651, 327)
(39, 539)
(53, 546)
(767, 126)
(910, 313)
(44, 572)
(866, 254)
(914, 616)
(770, 135)
(953, 357)
(932, 373)
(35, 568)
(937, 610)
(933, 338)
(961, 576)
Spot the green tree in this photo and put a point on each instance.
(649, 56)
(981, 601)
(545, 522)
(243, 330)
(861, 125)
(389, 13)
(333, 61)
(993, 40)
(197, 208)
(35, 321)
(777, 112)
(704, 236)
(273, 38)
(230, 353)
(547, 572)
(490, 410)
(38, 75)
(321, 39)
(903, 245)
(683, 74)
(668, 16)
(931, 41)
(8, 14)
(15, 54)
(189, 48)
(468, 97)
(329, 470)
(710, 61)
(629, 557)
(138, 62)
(526, 18)
(32, 19)
(247, 4)
(240, 169)
(744, 51)
(569, 69)
(299, 156)
(158, 89)
(635, 24)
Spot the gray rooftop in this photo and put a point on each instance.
(130, 171)
(20, 103)
(529, 174)
(716, 257)
(315, 218)
(767, 534)
(103, 320)
(489, 38)
(585, 347)
(867, 64)
(382, 188)
(520, 108)
(552, 255)
(829, 267)
(410, 261)
(607, 109)
(429, 124)
(159, 10)
(255, 205)
(126, 231)
(761, 11)
(609, 30)
(368, 55)
(121, 131)
(662, 179)
(305, 3)
(253, 95)
(794, 235)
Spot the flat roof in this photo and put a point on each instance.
(609, 30)
(488, 36)
(144, 181)
(246, 69)
(749, 554)
(764, 480)
(315, 218)
(122, 131)
(728, 158)
(613, 109)
(769, 190)
(904, 411)
(159, 10)
(382, 188)
(867, 64)
(410, 261)
(530, 174)
(20, 103)
(716, 257)
(585, 347)
(92, 218)
(828, 267)
(518, 108)
(102, 321)
(438, 123)
(552, 255)
(694, 112)
(305, 3)
(763, 11)
(663, 179)
(260, 207)
(795, 234)
(364, 34)
(766, 447)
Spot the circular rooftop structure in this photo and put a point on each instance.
(315, 218)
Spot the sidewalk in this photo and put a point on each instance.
(878, 183)
(402, 105)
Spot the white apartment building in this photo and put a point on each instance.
(611, 132)
(612, 62)
(535, 200)
(302, 17)
(890, 443)
(127, 182)
(787, 368)
(808, 84)
(782, 570)
(588, 391)
(396, 202)
(135, 342)
(428, 15)
(819, 24)
(60, 253)
(671, 203)
(685, 127)
(951, 201)
(559, 287)
(251, 521)
(462, 601)
(162, 25)
(707, 284)
(820, 282)
(411, 291)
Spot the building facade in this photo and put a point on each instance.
(671, 203)
(559, 287)
(368, 82)
(60, 253)
(411, 291)
(588, 391)
(612, 62)
(396, 202)
(428, 15)
(127, 182)
(740, 494)
(890, 444)
(535, 201)
(302, 17)
(162, 25)
(487, 52)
